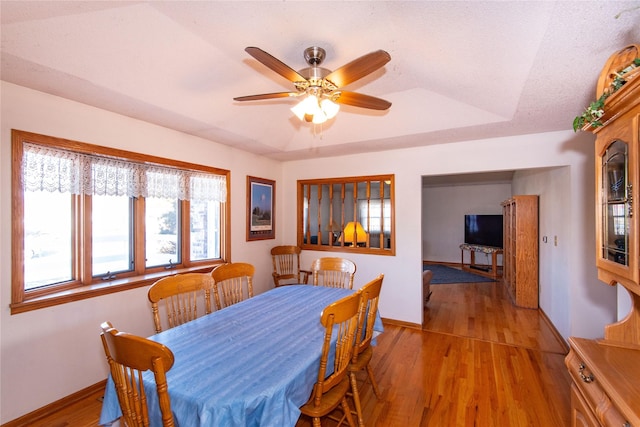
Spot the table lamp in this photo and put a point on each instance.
(334, 229)
(354, 233)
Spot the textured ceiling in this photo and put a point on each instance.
(458, 70)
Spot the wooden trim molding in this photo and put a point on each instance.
(58, 405)
(91, 291)
(81, 283)
(350, 214)
(400, 323)
(554, 331)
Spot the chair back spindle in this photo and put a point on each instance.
(286, 266)
(333, 272)
(179, 297)
(129, 356)
(340, 319)
(369, 297)
(232, 283)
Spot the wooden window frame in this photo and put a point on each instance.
(336, 213)
(84, 286)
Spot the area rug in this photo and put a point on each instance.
(443, 274)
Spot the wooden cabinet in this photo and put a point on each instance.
(616, 183)
(581, 415)
(520, 258)
(605, 379)
(606, 373)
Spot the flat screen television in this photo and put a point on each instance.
(484, 230)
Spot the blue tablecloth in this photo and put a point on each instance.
(251, 364)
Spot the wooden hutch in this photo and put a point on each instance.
(605, 389)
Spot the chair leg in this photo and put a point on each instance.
(316, 422)
(356, 398)
(374, 384)
(347, 412)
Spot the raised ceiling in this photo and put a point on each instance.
(458, 71)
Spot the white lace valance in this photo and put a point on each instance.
(55, 170)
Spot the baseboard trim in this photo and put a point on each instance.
(401, 323)
(56, 406)
(555, 332)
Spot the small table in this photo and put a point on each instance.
(252, 363)
(492, 270)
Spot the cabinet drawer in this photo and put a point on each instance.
(588, 387)
(581, 415)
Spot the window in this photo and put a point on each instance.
(48, 249)
(89, 220)
(376, 215)
(111, 239)
(347, 214)
(619, 220)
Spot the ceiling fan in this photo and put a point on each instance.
(322, 87)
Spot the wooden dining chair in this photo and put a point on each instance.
(286, 266)
(333, 272)
(232, 283)
(179, 295)
(341, 318)
(129, 356)
(369, 296)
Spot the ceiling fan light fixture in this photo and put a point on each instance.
(329, 108)
(317, 111)
(298, 110)
(308, 106)
(320, 87)
(319, 117)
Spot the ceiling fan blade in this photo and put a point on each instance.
(266, 96)
(275, 64)
(362, 101)
(358, 68)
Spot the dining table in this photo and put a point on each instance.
(253, 363)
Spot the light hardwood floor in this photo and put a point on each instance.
(479, 361)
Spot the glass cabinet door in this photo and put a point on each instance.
(616, 220)
(616, 203)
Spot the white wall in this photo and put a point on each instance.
(556, 225)
(443, 211)
(551, 185)
(568, 294)
(50, 353)
(401, 292)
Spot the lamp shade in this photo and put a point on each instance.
(313, 109)
(329, 108)
(319, 117)
(307, 107)
(334, 227)
(353, 231)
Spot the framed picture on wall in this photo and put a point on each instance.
(261, 206)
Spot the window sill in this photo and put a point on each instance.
(99, 289)
(348, 248)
